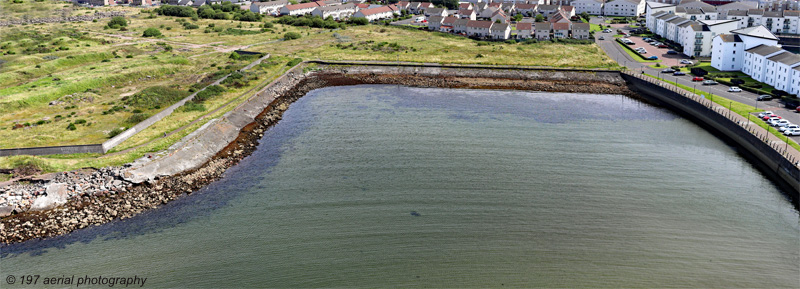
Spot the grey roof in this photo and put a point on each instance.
(272, 3)
(737, 13)
(500, 26)
(697, 4)
(694, 11)
(461, 22)
(730, 38)
(677, 20)
(687, 23)
(791, 13)
(581, 26)
(337, 7)
(659, 13)
(680, 10)
(434, 10)
(756, 31)
(787, 58)
(548, 7)
(738, 6)
(700, 27)
(666, 16)
(657, 4)
(773, 14)
(755, 12)
(542, 26)
(435, 19)
(764, 50)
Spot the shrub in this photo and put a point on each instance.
(294, 62)
(117, 22)
(291, 36)
(235, 56)
(71, 126)
(115, 132)
(80, 121)
(193, 106)
(151, 32)
(137, 118)
(152, 97)
(358, 21)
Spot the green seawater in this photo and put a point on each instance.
(392, 186)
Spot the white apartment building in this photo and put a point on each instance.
(775, 21)
(794, 85)
(271, 7)
(337, 12)
(779, 70)
(755, 60)
(728, 54)
(592, 7)
(628, 8)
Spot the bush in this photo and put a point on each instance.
(155, 96)
(193, 106)
(137, 118)
(294, 62)
(115, 132)
(291, 36)
(358, 21)
(117, 22)
(80, 121)
(71, 126)
(151, 32)
(208, 93)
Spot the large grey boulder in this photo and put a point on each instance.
(56, 195)
(6, 211)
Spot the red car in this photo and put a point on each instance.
(797, 109)
(766, 117)
(662, 46)
(697, 78)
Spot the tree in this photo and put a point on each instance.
(151, 32)
(235, 56)
(539, 18)
(518, 17)
(497, 21)
(359, 21)
(585, 16)
(117, 22)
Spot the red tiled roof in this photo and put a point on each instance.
(524, 26)
(464, 5)
(362, 5)
(304, 5)
(560, 26)
(449, 20)
(376, 10)
(479, 24)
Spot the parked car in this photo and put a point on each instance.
(668, 70)
(797, 109)
(734, 89)
(652, 57)
(792, 132)
(709, 82)
(688, 62)
(662, 45)
(773, 119)
(607, 30)
(764, 97)
(779, 122)
(601, 38)
(679, 73)
(645, 39)
(788, 127)
(771, 116)
(697, 78)
(672, 52)
(765, 113)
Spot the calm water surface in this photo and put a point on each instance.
(391, 186)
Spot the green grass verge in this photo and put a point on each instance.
(738, 108)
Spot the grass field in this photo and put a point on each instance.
(70, 83)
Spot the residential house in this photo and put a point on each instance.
(479, 28)
(581, 30)
(501, 31)
(448, 23)
(742, 6)
(412, 7)
(402, 5)
(524, 30)
(499, 16)
(467, 14)
(547, 10)
(488, 12)
(465, 6)
(271, 7)
(299, 9)
(378, 13)
(460, 26)
(561, 30)
(542, 30)
(337, 12)
(568, 10)
(144, 3)
(528, 10)
(435, 23)
(559, 17)
(628, 8)
(436, 12)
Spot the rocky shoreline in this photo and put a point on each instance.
(93, 197)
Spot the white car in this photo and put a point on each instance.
(788, 127)
(764, 113)
(607, 30)
(779, 123)
(773, 119)
(734, 89)
(688, 62)
(793, 131)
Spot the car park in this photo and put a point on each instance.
(662, 45)
(764, 97)
(679, 73)
(709, 82)
(779, 122)
(697, 78)
(684, 61)
(792, 132)
(645, 39)
(607, 31)
(788, 127)
(734, 89)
